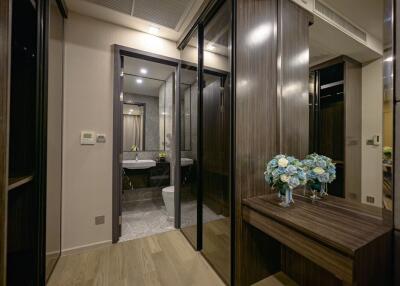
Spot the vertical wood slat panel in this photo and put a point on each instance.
(256, 121)
(5, 50)
(267, 117)
(293, 79)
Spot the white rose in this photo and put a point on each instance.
(284, 178)
(283, 162)
(318, 170)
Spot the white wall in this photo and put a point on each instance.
(372, 104)
(88, 92)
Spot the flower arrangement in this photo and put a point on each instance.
(162, 155)
(285, 173)
(320, 170)
(134, 148)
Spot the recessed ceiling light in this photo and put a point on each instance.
(210, 47)
(139, 80)
(143, 71)
(154, 30)
(130, 110)
(389, 59)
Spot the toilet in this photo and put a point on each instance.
(168, 197)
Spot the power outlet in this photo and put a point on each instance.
(370, 199)
(99, 220)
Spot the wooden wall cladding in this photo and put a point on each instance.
(293, 79)
(5, 50)
(256, 121)
(267, 117)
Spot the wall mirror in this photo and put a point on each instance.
(148, 89)
(351, 99)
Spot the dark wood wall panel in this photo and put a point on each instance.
(5, 50)
(293, 77)
(271, 113)
(256, 120)
(256, 101)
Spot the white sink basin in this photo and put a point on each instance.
(139, 164)
(186, 162)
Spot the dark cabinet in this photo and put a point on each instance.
(335, 121)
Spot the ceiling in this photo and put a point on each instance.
(150, 82)
(171, 17)
(367, 14)
(327, 42)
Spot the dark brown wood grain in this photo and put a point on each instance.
(5, 51)
(334, 262)
(352, 245)
(340, 227)
(256, 121)
(293, 77)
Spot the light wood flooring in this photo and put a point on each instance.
(162, 259)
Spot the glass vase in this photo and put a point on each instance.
(287, 198)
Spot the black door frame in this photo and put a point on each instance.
(119, 53)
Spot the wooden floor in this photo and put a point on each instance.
(162, 259)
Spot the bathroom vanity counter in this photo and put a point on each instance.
(334, 234)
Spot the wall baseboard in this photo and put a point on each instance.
(86, 247)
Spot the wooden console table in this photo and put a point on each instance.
(349, 240)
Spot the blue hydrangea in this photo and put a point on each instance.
(285, 172)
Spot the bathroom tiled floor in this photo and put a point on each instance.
(144, 218)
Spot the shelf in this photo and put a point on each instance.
(19, 181)
(329, 85)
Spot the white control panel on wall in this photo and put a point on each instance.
(88, 138)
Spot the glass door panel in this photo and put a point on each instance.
(216, 142)
(189, 106)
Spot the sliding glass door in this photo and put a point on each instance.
(189, 144)
(216, 142)
(205, 123)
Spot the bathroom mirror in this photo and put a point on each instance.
(148, 90)
(351, 100)
(187, 91)
(134, 126)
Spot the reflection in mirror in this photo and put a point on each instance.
(216, 142)
(134, 126)
(350, 104)
(186, 108)
(189, 156)
(149, 85)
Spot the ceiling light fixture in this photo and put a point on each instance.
(139, 80)
(154, 30)
(389, 59)
(143, 71)
(210, 47)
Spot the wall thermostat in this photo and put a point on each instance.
(88, 138)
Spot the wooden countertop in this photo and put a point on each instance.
(335, 222)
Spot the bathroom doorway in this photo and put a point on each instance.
(144, 148)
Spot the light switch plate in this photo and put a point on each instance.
(88, 138)
(101, 138)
